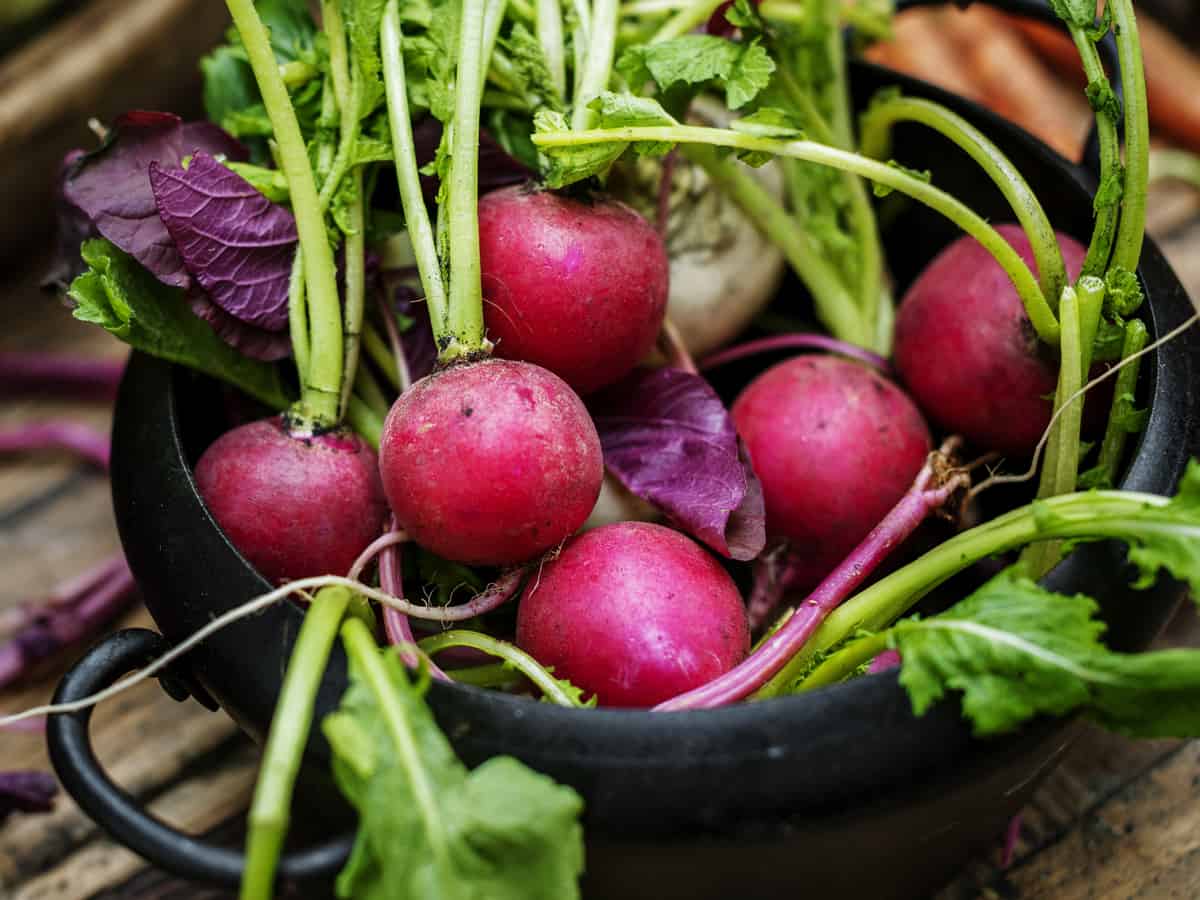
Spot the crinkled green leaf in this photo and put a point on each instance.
(500, 832)
(1169, 536)
(567, 165)
(271, 183)
(1104, 99)
(1123, 292)
(628, 111)
(1077, 13)
(701, 60)
(120, 296)
(1014, 650)
(530, 67)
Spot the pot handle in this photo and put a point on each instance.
(1042, 12)
(120, 814)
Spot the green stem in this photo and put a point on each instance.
(517, 658)
(580, 37)
(1084, 516)
(493, 18)
(365, 422)
(834, 304)
(1060, 465)
(841, 665)
(860, 213)
(269, 811)
(298, 316)
(1105, 228)
(1112, 450)
(692, 15)
(381, 354)
(355, 249)
(965, 218)
(412, 200)
(550, 36)
(368, 390)
(875, 142)
(464, 331)
(345, 91)
(322, 389)
(366, 657)
(597, 68)
(1131, 229)
(496, 675)
(838, 87)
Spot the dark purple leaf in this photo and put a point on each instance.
(416, 341)
(257, 343)
(112, 185)
(26, 792)
(73, 228)
(234, 241)
(496, 168)
(668, 438)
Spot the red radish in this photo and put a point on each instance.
(293, 505)
(966, 350)
(490, 463)
(634, 613)
(578, 288)
(835, 445)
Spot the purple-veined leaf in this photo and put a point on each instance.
(235, 242)
(111, 186)
(257, 343)
(668, 438)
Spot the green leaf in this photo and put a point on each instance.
(530, 67)
(500, 832)
(120, 296)
(271, 183)
(1123, 292)
(745, 15)
(1015, 651)
(699, 60)
(627, 111)
(1170, 536)
(1104, 99)
(566, 165)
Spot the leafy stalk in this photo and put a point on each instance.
(416, 217)
(269, 811)
(551, 687)
(464, 334)
(1040, 314)
(1160, 531)
(1132, 227)
(550, 36)
(321, 390)
(1120, 426)
(602, 42)
(875, 140)
(1079, 313)
(355, 249)
(1111, 171)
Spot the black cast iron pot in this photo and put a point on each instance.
(841, 790)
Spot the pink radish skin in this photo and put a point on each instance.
(836, 446)
(634, 613)
(577, 288)
(967, 351)
(490, 463)
(293, 506)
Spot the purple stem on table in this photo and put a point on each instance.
(26, 792)
(52, 628)
(57, 434)
(71, 375)
(66, 594)
(774, 652)
(797, 342)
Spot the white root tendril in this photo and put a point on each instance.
(247, 609)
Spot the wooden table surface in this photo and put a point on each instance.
(1118, 819)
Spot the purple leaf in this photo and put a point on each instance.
(235, 242)
(668, 438)
(416, 342)
(112, 185)
(73, 227)
(257, 343)
(26, 792)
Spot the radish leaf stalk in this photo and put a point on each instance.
(321, 392)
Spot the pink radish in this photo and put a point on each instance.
(491, 462)
(579, 288)
(634, 613)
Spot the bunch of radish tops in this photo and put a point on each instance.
(467, 253)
